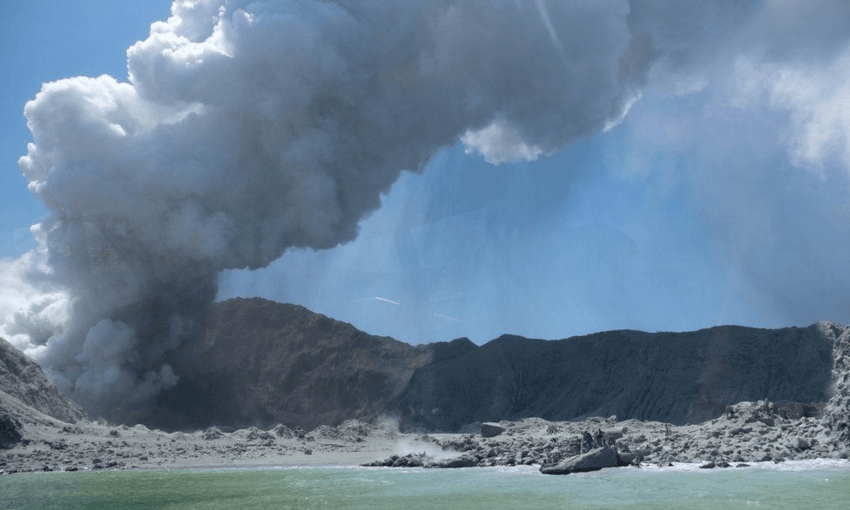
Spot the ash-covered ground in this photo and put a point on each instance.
(750, 432)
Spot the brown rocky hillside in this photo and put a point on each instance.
(262, 362)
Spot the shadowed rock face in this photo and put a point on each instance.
(671, 377)
(262, 362)
(23, 379)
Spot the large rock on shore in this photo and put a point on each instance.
(593, 460)
(490, 429)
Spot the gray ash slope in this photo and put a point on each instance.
(28, 399)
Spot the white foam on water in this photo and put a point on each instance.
(839, 465)
(406, 447)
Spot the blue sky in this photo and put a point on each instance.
(45, 41)
(720, 198)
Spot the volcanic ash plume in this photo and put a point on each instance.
(246, 128)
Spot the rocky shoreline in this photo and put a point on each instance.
(748, 432)
(43, 431)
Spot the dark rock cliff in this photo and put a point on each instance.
(671, 377)
(262, 363)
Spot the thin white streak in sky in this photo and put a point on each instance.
(441, 316)
(556, 41)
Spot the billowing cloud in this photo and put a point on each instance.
(721, 197)
(31, 304)
(247, 128)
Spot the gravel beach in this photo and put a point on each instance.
(749, 432)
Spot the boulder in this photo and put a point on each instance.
(457, 462)
(490, 429)
(613, 434)
(281, 430)
(628, 458)
(10, 431)
(801, 443)
(796, 410)
(591, 461)
(212, 433)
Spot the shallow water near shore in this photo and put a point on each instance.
(806, 484)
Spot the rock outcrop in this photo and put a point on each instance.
(10, 430)
(593, 460)
(263, 363)
(22, 379)
(490, 429)
(836, 414)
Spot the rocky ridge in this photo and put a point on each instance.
(670, 377)
(261, 362)
(23, 380)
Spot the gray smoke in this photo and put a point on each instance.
(249, 127)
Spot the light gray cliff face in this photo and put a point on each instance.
(23, 379)
(836, 415)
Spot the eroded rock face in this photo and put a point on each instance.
(23, 379)
(10, 430)
(836, 414)
(262, 362)
(670, 377)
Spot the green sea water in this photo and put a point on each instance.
(824, 485)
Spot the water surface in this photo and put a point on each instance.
(818, 484)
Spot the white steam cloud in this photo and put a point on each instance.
(249, 127)
(246, 128)
(721, 197)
